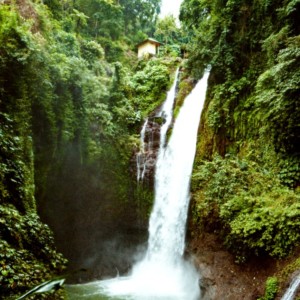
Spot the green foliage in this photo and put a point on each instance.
(291, 268)
(16, 170)
(68, 119)
(91, 51)
(148, 86)
(15, 38)
(140, 15)
(184, 88)
(105, 18)
(112, 22)
(57, 7)
(20, 88)
(134, 96)
(252, 49)
(257, 215)
(290, 171)
(263, 224)
(271, 289)
(27, 251)
(167, 30)
(252, 112)
(277, 89)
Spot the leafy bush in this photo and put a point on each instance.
(149, 85)
(268, 223)
(290, 171)
(91, 51)
(27, 251)
(15, 36)
(271, 289)
(277, 88)
(256, 215)
(16, 174)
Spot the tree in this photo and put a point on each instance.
(167, 30)
(105, 18)
(140, 15)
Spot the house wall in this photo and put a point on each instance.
(145, 49)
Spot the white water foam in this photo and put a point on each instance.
(140, 157)
(165, 113)
(164, 274)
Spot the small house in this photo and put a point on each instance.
(148, 47)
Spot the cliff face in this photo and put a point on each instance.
(28, 252)
(223, 278)
(246, 176)
(64, 135)
(144, 159)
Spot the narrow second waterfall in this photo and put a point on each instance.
(291, 291)
(165, 113)
(163, 273)
(140, 157)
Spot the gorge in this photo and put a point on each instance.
(73, 101)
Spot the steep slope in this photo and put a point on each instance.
(246, 176)
(72, 97)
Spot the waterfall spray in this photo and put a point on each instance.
(141, 157)
(163, 273)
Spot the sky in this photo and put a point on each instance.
(170, 7)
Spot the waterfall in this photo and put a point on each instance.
(164, 273)
(140, 157)
(165, 113)
(172, 178)
(291, 291)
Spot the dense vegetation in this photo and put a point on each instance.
(72, 100)
(247, 172)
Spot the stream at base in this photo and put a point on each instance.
(178, 284)
(163, 273)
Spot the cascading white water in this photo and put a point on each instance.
(173, 170)
(291, 291)
(140, 157)
(165, 113)
(164, 273)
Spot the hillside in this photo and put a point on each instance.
(246, 176)
(73, 99)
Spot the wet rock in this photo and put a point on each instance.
(159, 120)
(207, 288)
(148, 155)
(221, 277)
